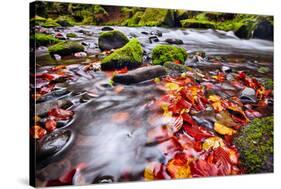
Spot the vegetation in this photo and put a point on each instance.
(255, 144)
(167, 53)
(66, 48)
(128, 56)
(72, 35)
(44, 39)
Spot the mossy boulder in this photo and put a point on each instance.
(71, 35)
(255, 144)
(50, 23)
(134, 20)
(157, 17)
(65, 21)
(200, 24)
(129, 56)
(166, 53)
(38, 20)
(44, 39)
(66, 48)
(112, 40)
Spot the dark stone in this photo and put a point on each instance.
(53, 95)
(104, 179)
(107, 28)
(144, 32)
(54, 144)
(176, 68)
(248, 95)
(226, 69)
(112, 40)
(174, 41)
(157, 33)
(153, 39)
(140, 74)
(244, 32)
(264, 30)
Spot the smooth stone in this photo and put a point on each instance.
(174, 41)
(140, 74)
(153, 39)
(226, 69)
(107, 28)
(248, 95)
(157, 33)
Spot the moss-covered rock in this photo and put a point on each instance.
(65, 21)
(193, 23)
(71, 35)
(134, 20)
(157, 17)
(112, 40)
(166, 53)
(38, 20)
(44, 39)
(66, 48)
(129, 56)
(50, 23)
(255, 144)
(176, 68)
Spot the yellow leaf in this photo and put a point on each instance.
(213, 142)
(214, 98)
(178, 171)
(166, 112)
(223, 130)
(172, 86)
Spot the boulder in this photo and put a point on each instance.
(140, 74)
(129, 56)
(174, 41)
(66, 48)
(248, 95)
(255, 145)
(176, 68)
(112, 40)
(264, 30)
(107, 28)
(166, 53)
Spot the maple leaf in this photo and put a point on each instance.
(223, 130)
(153, 171)
(197, 132)
(50, 125)
(201, 168)
(37, 132)
(212, 143)
(178, 167)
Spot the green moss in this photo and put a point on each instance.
(65, 21)
(50, 23)
(157, 17)
(268, 83)
(166, 53)
(38, 20)
(263, 69)
(255, 144)
(128, 56)
(193, 23)
(133, 21)
(66, 48)
(44, 40)
(71, 35)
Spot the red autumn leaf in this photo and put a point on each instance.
(47, 76)
(37, 132)
(61, 114)
(170, 146)
(241, 75)
(197, 132)
(178, 167)
(153, 171)
(201, 168)
(177, 62)
(187, 118)
(50, 125)
(46, 89)
(176, 124)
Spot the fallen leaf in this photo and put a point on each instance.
(212, 143)
(50, 125)
(153, 171)
(223, 130)
(37, 132)
(178, 167)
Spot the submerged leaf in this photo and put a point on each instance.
(212, 143)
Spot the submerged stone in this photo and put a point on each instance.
(140, 74)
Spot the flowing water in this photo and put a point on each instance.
(110, 127)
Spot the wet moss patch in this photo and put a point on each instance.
(168, 53)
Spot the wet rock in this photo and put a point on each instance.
(107, 28)
(140, 74)
(85, 32)
(52, 95)
(244, 32)
(176, 68)
(80, 54)
(264, 30)
(166, 53)
(248, 95)
(157, 33)
(229, 77)
(174, 41)
(43, 108)
(226, 69)
(144, 32)
(112, 40)
(153, 39)
(104, 179)
(129, 56)
(54, 144)
(66, 48)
